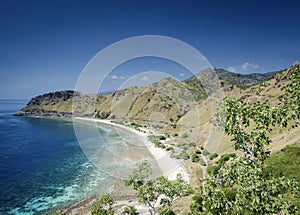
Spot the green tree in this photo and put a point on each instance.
(156, 192)
(171, 190)
(139, 175)
(129, 210)
(103, 206)
(239, 185)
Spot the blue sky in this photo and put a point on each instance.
(44, 45)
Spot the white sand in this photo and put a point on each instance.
(170, 167)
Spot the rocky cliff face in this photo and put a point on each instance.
(53, 105)
(169, 97)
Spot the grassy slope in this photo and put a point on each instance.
(286, 163)
(168, 103)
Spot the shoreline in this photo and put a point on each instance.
(124, 195)
(170, 167)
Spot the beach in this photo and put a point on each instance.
(170, 167)
(123, 195)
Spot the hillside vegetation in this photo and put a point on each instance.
(182, 112)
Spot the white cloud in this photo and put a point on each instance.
(113, 77)
(245, 67)
(181, 74)
(144, 78)
(231, 69)
(117, 77)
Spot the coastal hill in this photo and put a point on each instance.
(59, 104)
(181, 111)
(168, 107)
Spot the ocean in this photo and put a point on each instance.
(43, 167)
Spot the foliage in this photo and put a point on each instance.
(159, 191)
(160, 145)
(167, 211)
(213, 170)
(238, 184)
(170, 148)
(182, 155)
(137, 178)
(202, 162)
(170, 190)
(195, 158)
(156, 139)
(184, 136)
(286, 163)
(244, 189)
(192, 144)
(205, 152)
(198, 152)
(213, 156)
(129, 210)
(103, 206)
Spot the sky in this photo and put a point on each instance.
(45, 45)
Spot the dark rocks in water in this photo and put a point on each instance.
(43, 113)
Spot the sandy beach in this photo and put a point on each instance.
(123, 195)
(170, 167)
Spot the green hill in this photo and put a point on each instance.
(177, 109)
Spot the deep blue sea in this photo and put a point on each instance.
(42, 166)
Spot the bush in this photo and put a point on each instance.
(212, 170)
(205, 152)
(198, 152)
(170, 148)
(183, 146)
(213, 156)
(195, 158)
(202, 162)
(128, 210)
(160, 145)
(162, 138)
(184, 136)
(103, 206)
(156, 139)
(192, 144)
(183, 155)
(167, 211)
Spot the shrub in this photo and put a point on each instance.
(202, 162)
(160, 145)
(212, 170)
(198, 152)
(170, 148)
(213, 156)
(184, 136)
(195, 158)
(183, 155)
(162, 138)
(192, 144)
(103, 206)
(167, 211)
(128, 210)
(205, 152)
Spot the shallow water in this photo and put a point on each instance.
(42, 166)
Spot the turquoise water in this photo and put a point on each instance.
(42, 166)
